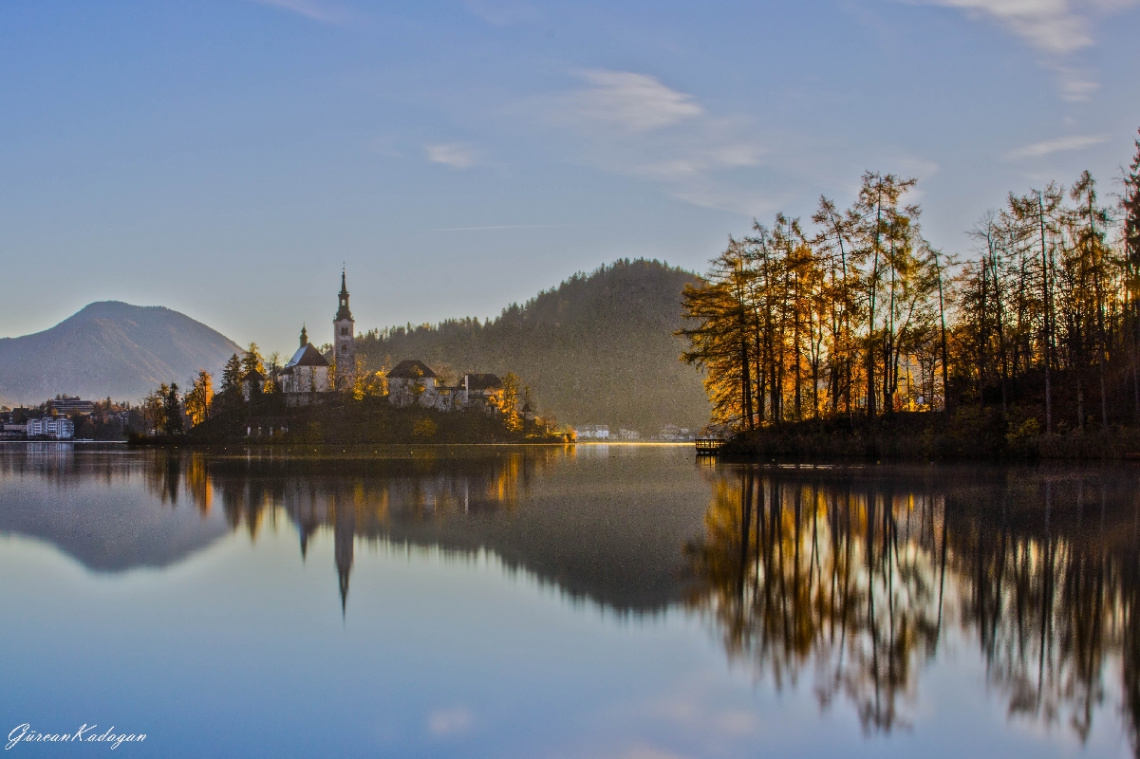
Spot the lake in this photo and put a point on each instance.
(602, 601)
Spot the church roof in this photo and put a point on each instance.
(483, 381)
(253, 376)
(411, 369)
(307, 356)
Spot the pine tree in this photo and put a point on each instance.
(231, 376)
(252, 361)
(172, 411)
(1132, 213)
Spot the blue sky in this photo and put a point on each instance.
(224, 157)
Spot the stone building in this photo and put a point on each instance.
(306, 379)
(410, 382)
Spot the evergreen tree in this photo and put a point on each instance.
(172, 411)
(1131, 204)
(252, 361)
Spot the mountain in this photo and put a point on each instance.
(597, 349)
(109, 349)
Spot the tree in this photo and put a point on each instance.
(252, 361)
(154, 409)
(722, 340)
(172, 411)
(271, 385)
(507, 402)
(1131, 207)
(883, 239)
(1131, 238)
(200, 398)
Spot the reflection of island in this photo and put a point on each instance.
(596, 529)
(854, 578)
(593, 525)
(96, 508)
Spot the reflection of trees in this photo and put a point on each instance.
(851, 577)
(353, 497)
(821, 579)
(1051, 590)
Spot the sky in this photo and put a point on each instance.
(226, 158)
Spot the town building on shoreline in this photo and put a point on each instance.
(54, 427)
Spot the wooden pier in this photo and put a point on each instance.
(709, 446)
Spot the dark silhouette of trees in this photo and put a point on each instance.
(172, 411)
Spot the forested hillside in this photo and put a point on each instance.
(597, 349)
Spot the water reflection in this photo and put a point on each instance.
(596, 526)
(854, 577)
(358, 497)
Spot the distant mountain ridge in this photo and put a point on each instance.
(597, 349)
(109, 349)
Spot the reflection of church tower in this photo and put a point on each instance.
(344, 529)
(344, 342)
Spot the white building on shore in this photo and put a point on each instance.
(592, 432)
(56, 427)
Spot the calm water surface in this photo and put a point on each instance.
(607, 601)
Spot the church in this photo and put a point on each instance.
(309, 377)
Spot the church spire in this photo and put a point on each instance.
(304, 335)
(343, 314)
(344, 340)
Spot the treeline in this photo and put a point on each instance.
(858, 316)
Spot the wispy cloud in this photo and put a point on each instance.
(1055, 26)
(317, 10)
(702, 160)
(453, 154)
(634, 125)
(633, 102)
(1059, 145)
(1058, 29)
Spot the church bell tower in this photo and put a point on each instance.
(344, 342)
